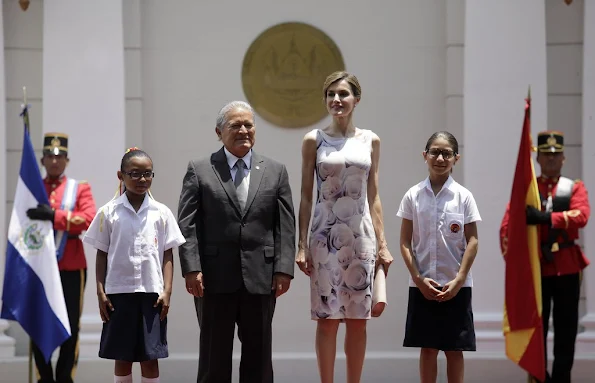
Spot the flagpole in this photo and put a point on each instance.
(25, 115)
(533, 148)
(30, 360)
(25, 112)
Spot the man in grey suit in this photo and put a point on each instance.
(236, 213)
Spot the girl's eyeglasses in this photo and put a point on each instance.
(446, 154)
(138, 175)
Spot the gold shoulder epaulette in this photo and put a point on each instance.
(577, 180)
(83, 182)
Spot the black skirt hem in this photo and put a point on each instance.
(444, 326)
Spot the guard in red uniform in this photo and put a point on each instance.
(564, 210)
(71, 209)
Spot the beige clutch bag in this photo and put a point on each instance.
(379, 301)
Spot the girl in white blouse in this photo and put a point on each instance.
(134, 236)
(439, 244)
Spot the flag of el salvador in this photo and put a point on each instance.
(32, 294)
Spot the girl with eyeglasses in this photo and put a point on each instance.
(439, 244)
(134, 236)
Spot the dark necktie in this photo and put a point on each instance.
(241, 183)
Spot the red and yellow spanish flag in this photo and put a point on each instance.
(523, 328)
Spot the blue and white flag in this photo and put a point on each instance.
(32, 292)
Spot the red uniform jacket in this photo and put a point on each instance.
(73, 222)
(566, 260)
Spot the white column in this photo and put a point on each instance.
(7, 344)
(505, 53)
(83, 96)
(586, 340)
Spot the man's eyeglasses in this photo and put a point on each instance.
(138, 175)
(239, 126)
(446, 154)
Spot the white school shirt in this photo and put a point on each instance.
(231, 161)
(439, 221)
(134, 243)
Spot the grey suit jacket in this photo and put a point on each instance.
(233, 247)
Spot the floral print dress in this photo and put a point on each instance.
(342, 239)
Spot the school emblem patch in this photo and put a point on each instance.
(455, 227)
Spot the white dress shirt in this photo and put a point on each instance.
(439, 221)
(231, 161)
(134, 243)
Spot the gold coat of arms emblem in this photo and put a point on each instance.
(551, 141)
(284, 70)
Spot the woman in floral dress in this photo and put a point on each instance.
(347, 241)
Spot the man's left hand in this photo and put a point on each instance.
(42, 213)
(280, 284)
(538, 217)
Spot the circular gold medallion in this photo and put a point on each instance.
(284, 70)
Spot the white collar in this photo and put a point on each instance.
(123, 200)
(231, 159)
(448, 185)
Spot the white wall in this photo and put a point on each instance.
(133, 86)
(564, 34)
(455, 69)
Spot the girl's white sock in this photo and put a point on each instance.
(149, 380)
(123, 379)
